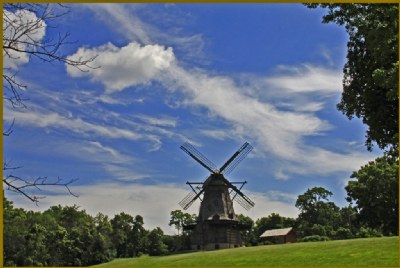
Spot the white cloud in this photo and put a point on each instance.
(326, 53)
(162, 121)
(77, 125)
(217, 134)
(153, 202)
(190, 46)
(306, 79)
(123, 67)
(12, 31)
(278, 132)
(267, 203)
(277, 112)
(280, 175)
(128, 23)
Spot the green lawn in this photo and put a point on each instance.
(356, 252)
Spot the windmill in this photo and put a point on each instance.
(217, 225)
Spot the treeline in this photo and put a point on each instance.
(68, 236)
(373, 209)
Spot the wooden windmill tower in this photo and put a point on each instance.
(217, 225)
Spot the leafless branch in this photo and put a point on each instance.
(23, 186)
(9, 129)
(20, 39)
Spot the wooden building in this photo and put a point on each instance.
(280, 236)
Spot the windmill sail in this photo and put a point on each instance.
(200, 158)
(244, 200)
(187, 199)
(236, 158)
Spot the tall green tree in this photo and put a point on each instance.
(122, 226)
(182, 241)
(375, 192)
(247, 234)
(180, 218)
(156, 246)
(14, 232)
(317, 215)
(371, 73)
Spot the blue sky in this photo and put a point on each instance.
(215, 75)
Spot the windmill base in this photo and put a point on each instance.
(216, 235)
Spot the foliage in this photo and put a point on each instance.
(128, 235)
(247, 234)
(370, 83)
(315, 238)
(366, 232)
(317, 215)
(180, 219)
(156, 244)
(375, 192)
(377, 252)
(181, 241)
(68, 236)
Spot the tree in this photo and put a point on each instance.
(122, 227)
(179, 219)
(375, 192)
(156, 245)
(136, 237)
(103, 248)
(317, 215)
(247, 234)
(24, 28)
(14, 231)
(370, 83)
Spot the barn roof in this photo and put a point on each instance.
(276, 232)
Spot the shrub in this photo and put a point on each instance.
(314, 238)
(343, 233)
(365, 232)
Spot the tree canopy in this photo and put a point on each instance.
(375, 192)
(370, 82)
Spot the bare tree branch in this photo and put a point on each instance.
(24, 26)
(23, 186)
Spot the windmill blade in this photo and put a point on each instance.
(236, 158)
(241, 198)
(189, 199)
(244, 202)
(200, 158)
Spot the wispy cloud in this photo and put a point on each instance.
(306, 79)
(277, 111)
(135, 29)
(163, 120)
(45, 119)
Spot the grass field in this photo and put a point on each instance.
(380, 252)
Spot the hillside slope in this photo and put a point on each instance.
(356, 252)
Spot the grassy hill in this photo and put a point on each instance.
(356, 252)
